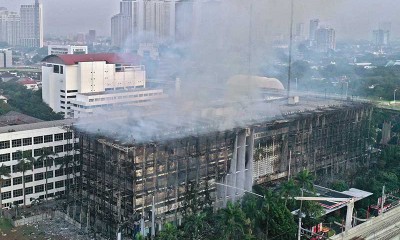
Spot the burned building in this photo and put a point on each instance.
(126, 183)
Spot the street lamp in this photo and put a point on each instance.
(394, 96)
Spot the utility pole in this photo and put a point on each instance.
(382, 199)
(290, 48)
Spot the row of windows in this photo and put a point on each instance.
(69, 91)
(29, 190)
(37, 152)
(126, 96)
(38, 176)
(36, 140)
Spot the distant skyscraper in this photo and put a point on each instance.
(91, 36)
(31, 25)
(300, 31)
(381, 37)
(325, 39)
(120, 29)
(151, 21)
(314, 23)
(9, 27)
(5, 58)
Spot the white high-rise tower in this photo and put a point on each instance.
(31, 27)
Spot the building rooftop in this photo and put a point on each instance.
(169, 120)
(111, 58)
(37, 125)
(15, 118)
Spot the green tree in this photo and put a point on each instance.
(196, 226)
(47, 157)
(233, 224)
(24, 165)
(289, 190)
(4, 173)
(169, 232)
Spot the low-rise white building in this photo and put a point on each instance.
(66, 49)
(32, 139)
(66, 76)
(85, 104)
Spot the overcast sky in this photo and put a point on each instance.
(350, 18)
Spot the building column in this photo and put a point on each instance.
(249, 165)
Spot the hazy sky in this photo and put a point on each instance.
(350, 18)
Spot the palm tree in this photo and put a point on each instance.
(4, 172)
(24, 165)
(234, 224)
(289, 189)
(47, 157)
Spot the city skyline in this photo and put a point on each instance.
(338, 14)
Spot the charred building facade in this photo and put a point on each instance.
(136, 187)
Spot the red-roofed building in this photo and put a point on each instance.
(29, 83)
(65, 76)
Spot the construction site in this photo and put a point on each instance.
(133, 186)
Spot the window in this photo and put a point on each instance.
(58, 137)
(4, 144)
(17, 143)
(28, 178)
(17, 180)
(37, 152)
(27, 141)
(4, 157)
(59, 184)
(39, 176)
(56, 68)
(59, 172)
(68, 135)
(61, 96)
(16, 155)
(63, 91)
(39, 188)
(58, 161)
(59, 148)
(6, 183)
(28, 190)
(38, 140)
(71, 96)
(61, 69)
(68, 147)
(17, 193)
(28, 153)
(62, 102)
(48, 138)
(38, 164)
(50, 174)
(6, 195)
(16, 169)
(50, 186)
(49, 150)
(70, 91)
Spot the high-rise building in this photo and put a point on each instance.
(5, 58)
(9, 27)
(299, 31)
(91, 37)
(325, 39)
(381, 37)
(120, 29)
(314, 23)
(31, 25)
(144, 20)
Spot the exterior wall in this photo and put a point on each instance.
(66, 49)
(63, 146)
(325, 141)
(84, 105)
(60, 88)
(31, 34)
